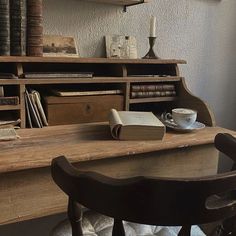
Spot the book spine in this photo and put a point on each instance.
(9, 100)
(1, 91)
(152, 87)
(35, 28)
(5, 28)
(149, 94)
(18, 27)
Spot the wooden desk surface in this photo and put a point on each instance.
(32, 193)
(85, 142)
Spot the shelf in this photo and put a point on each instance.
(153, 99)
(25, 59)
(144, 79)
(97, 80)
(9, 81)
(119, 2)
(9, 107)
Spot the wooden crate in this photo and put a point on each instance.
(84, 109)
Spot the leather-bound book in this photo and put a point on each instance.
(5, 28)
(34, 28)
(9, 100)
(18, 27)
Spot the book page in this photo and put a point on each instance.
(8, 134)
(115, 123)
(139, 118)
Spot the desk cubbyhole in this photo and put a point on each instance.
(94, 69)
(151, 70)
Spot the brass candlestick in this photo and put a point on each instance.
(151, 54)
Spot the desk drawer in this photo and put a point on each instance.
(71, 110)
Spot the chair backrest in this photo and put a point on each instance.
(146, 200)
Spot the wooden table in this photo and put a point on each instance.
(27, 190)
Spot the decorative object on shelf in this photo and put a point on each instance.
(121, 46)
(152, 39)
(56, 45)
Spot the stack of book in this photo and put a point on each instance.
(5, 28)
(6, 100)
(21, 28)
(34, 110)
(152, 90)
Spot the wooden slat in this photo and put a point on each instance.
(9, 107)
(153, 99)
(119, 2)
(95, 80)
(85, 142)
(26, 59)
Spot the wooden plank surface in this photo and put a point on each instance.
(85, 142)
(88, 60)
(32, 193)
(119, 2)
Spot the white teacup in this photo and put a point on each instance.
(184, 117)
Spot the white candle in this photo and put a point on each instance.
(153, 26)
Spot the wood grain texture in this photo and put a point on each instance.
(188, 100)
(85, 142)
(24, 59)
(120, 2)
(31, 193)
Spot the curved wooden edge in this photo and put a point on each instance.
(188, 100)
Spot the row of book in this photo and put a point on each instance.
(152, 90)
(7, 100)
(21, 30)
(35, 115)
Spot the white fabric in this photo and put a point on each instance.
(95, 224)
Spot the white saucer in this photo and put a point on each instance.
(195, 126)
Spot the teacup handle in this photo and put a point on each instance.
(167, 116)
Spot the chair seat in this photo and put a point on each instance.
(95, 224)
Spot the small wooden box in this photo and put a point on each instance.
(84, 109)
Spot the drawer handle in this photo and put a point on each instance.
(88, 108)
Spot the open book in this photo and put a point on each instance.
(133, 125)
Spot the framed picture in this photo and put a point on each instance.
(121, 46)
(59, 46)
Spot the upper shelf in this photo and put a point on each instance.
(26, 59)
(120, 2)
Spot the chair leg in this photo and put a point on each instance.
(185, 230)
(75, 217)
(118, 228)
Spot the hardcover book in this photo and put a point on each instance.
(71, 93)
(9, 100)
(152, 87)
(35, 28)
(133, 125)
(18, 27)
(5, 28)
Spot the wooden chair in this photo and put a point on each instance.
(155, 201)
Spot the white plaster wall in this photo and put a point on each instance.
(203, 32)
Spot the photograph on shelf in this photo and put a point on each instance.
(59, 46)
(121, 46)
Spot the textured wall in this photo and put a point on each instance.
(203, 32)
